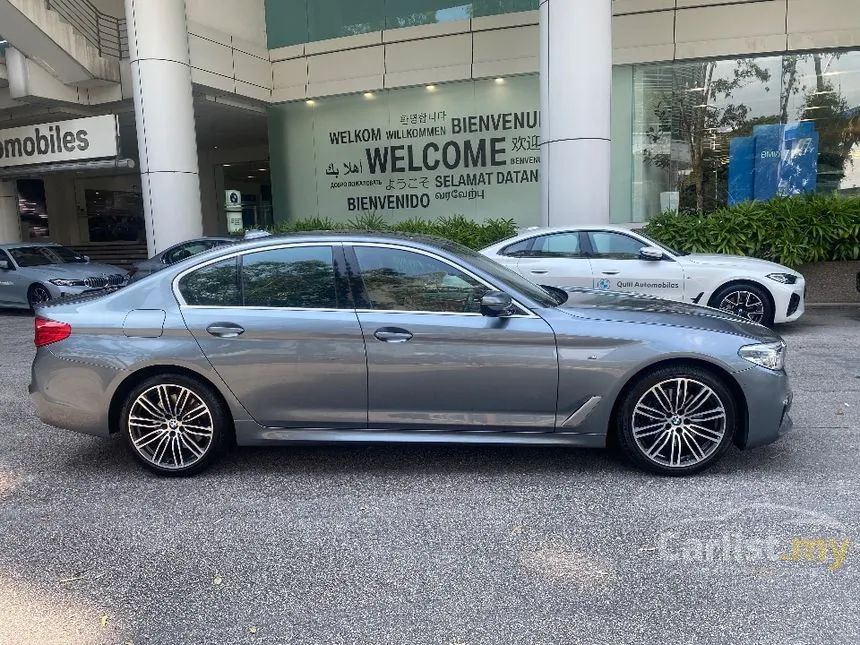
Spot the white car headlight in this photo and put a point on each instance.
(784, 278)
(769, 355)
(62, 282)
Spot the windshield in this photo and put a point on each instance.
(668, 249)
(543, 297)
(36, 256)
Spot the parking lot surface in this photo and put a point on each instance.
(438, 545)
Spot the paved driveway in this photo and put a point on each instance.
(437, 545)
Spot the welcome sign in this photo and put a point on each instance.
(465, 148)
(75, 140)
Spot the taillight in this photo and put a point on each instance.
(51, 331)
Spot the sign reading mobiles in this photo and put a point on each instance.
(75, 140)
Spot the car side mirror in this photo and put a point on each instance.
(651, 253)
(496, 304)
(5, 265)
(86, 258)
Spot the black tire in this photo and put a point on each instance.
(683, 429)
(147, 436)
(37, 295)
(744, 294)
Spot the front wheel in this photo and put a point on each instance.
(677, 421)
(174, 425)
(749, 301)
(37, 295)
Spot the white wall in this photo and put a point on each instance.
(114, 8)
(244, 19)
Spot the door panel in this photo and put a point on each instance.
(617, 266)
(460, 372)
(279, 327)
(289, 368)
(557, 260)
(435, 363)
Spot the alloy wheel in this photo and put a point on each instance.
(679, 422)
(745, 304)
(170, 426)
(38, 296)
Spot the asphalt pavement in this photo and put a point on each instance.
(438, 545)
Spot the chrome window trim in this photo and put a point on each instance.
(229, 256)
(435, 256)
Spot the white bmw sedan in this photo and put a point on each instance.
(615, 258)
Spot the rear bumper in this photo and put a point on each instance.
(69, 395)
(769, 399)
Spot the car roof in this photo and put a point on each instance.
(27, 245)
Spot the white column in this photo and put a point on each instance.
(576, 87)
(10, 221)
(164, 111)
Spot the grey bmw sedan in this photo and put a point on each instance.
(378, 338)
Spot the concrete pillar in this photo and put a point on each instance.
(576, 88)
(10, 221)
(164, 111)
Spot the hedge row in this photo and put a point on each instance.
(788, 230)
(456, 228)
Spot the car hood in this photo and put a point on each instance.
(73, 271)
(625, 307)
(740, 262)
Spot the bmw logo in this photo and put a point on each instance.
(603, 283)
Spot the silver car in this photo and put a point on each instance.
(33, 274)
(378, 338)
(176, 253)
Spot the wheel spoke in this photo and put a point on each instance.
(693, 445)
(657, 446)
(146, 424)
(663, 399)
(651, 413)
(193, 447)
(644, 431)
(195, 413)
(697, 401)
(706, 433)
(160, 448)
(147, 439)
(164, 401)
(151, 407)
(708, 415)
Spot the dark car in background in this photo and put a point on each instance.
(177, 253)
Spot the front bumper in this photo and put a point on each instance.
(768, 402)
(789, 301)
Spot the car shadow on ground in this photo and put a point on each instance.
(100, 458)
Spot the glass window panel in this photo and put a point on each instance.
(409, 13)
(561, 245)
(495, 7)
(615, 246)
(301, 277)
(215, 285)
(404, 281)
(286, 22)
(337, 18)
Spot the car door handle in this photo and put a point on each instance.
(610, 272)
(539, 271)
(392, 335)
(225, 330)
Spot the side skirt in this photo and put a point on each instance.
(249, 433)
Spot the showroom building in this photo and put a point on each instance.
(125, 125)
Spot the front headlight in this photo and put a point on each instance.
(769, 355)
(783, 278)
(60, 282)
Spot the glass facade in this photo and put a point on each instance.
(293, 22)
(712, 133)
(691, 136)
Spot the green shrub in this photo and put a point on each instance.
(456, 228)
(788, 230)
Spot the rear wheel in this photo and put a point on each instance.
(37, 295)
(677, 421)
(749, 301)
(174, 425)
